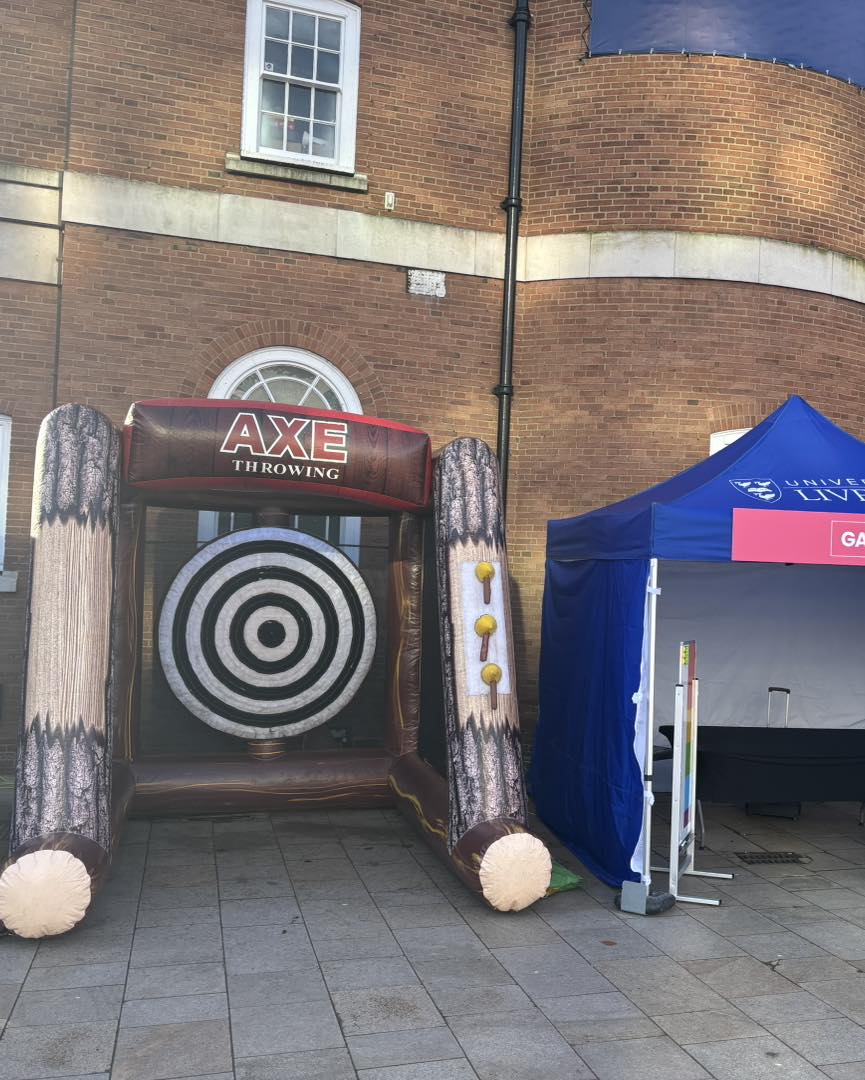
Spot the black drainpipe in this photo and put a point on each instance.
(512, 205)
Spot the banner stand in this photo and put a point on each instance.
(684, 806)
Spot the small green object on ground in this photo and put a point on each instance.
(562, 880)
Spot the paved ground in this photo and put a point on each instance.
(316, 946)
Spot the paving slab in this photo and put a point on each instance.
(597, 1018)
(186, 896)
(468, 1002)
(650, 1059)
(517, 1046)
(546, 971)
(68, 975)
(367, 974)
(783, 945)
(145, 1012)
(499, 930)
(150, 916)
(739, 976)
(196, 944)
(441, 943)
(367, 944)
(854, 1070)
(82, 946)
(842, 939)
(366, 1012)
(173, 980)
(78, 1005)
(255, 949)
(773, 1009)
(281, 909)
(263, 989)
(710, 1025)
(816, 969)
(306, 1065)
(165, 1051)
(753, 1059)
(660, 986)
(434, 1070)
(28, 1053)
(686, 939)
(301, 1025)
(825, 1042)
(461, 974)
(16, 957)
(403, 1047)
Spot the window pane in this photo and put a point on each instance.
(244, 385)
(303, 29)
(330, 398)
(301, 62)
(286, 371)
(275, 57)
(316, 524)
(276, 24)
(325, 105)
(270, 133)
(323, 140)
(273, 96)
(298, 100)
(328, 67)
(316, 400)
(297, 136)
(286, 391)
(328, 34)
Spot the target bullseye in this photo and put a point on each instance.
(267, 633)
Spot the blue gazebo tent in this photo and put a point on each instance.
(599, 694)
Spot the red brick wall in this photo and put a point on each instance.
(153, 316)
(619, 384)
(27, 321)
(34, 68)
(158, 86)
(689, 142)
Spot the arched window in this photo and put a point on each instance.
(719, 439)
(287, 377)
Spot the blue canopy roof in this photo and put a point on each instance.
(795, 459)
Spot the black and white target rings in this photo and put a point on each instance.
(267, 633)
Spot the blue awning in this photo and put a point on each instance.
(795, 459)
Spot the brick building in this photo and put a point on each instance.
(226, 198)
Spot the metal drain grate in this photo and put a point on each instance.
(754, 857)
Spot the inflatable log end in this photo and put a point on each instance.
(44, 893)
(515, 871)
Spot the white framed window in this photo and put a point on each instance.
(287, 377)
(300, 82)
(719, 439)
(5, 449)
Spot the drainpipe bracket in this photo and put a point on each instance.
(503, 390)
(512, 202)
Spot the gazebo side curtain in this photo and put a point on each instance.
(586, 778)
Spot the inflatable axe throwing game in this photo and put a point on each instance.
(209, 631)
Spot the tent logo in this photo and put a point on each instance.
(764, 490)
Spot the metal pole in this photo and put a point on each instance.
(512, 205)
(648, 761)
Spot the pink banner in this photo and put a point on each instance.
(796, 536)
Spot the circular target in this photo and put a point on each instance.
(267, 633)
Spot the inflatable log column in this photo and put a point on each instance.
(483, 802)
(62, 821)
